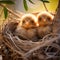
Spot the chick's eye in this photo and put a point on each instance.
(23, 22)
(32, 21)
(48, 18)
(40, 19)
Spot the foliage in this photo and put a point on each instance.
(45, 1)
(25, 5)
(5, 12)
(31, 1)
(9, 2)
(6, 2)
(5, 9)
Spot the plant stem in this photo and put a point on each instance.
(10, 11)
(45, 7)
(1, 13)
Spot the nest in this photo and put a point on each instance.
(15, 48)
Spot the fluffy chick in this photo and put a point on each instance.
(45, 20)
(27, 27)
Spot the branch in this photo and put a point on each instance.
(10, 11)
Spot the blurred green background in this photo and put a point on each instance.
(39, 6)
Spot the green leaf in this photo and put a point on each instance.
(45, 1)
(31, 1)
(7, 2)
(5, 12)
(25, 5)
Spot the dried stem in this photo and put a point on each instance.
(45, 7)
(10, 11)
(39, 46)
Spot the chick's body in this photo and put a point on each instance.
(21, 32)
(45, 20)
(42, 31)
(31, 34)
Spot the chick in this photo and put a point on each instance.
(45, 20)
(27, 27)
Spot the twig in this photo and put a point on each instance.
(47, 42)
(12, 48)
(13, 42)
(48, 35)
(45, 6)
(1, 13)
(11, 11)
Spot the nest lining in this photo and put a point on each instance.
(46, 48)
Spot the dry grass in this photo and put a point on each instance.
(15, 48)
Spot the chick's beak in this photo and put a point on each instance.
(44, 20)
(27, 23)
(37, 24)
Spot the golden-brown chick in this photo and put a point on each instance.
(45, 20)
(28, 21)
(26, 27)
